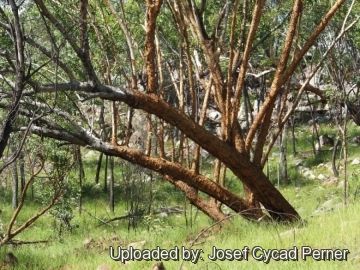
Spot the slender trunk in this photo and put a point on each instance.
(18, 43)
(334, 169)
(344, 133)
(15, 184)
(151, 193)
(98, 168)
(293, 138)
(105, 174)
(111, 186)
(283, 159)
(315, 127)
(80, 166)
(22, 171)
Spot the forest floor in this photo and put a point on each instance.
(326, 238)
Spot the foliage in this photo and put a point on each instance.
(139, 82)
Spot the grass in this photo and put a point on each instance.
(327, 224)
(332, 230)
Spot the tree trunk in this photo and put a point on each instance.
(268, 195)
(111, 186)
(98, 168)
(106, 173)
(333, 160)
(283, 160)
(293, 138)
(22, 171)
(79, 163)
(15, 184)
(232, 149)
(251, 175)
(207, 207)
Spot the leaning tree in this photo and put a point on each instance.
(161, 83)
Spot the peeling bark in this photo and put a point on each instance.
(153, 8)
(231, 148)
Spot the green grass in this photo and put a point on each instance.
(327, 224)
(337, 229)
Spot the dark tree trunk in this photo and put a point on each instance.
(22, 171)
(98, 168)
(106, 173)
(79, 163)
(111, 186)
(19, 43)
(333, 160)
(15, 185)
(293, 138)
(283, 159)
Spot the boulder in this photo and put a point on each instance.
(326, 140)
(355, 140)
(356, 161)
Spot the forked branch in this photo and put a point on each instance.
(11, 234)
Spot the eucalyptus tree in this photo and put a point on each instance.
(161, 66)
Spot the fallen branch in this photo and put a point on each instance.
(124, 217)
(20, 242)
(99, 219)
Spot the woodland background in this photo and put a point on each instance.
(210, 110)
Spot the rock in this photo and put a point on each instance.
(297, 162)
(215, 116)
(301, 169)
(328, 166)
(338, 205)
(321, 177)
(318, 212)
(307, 173)
(355, 140)
(326, 140)
(137, 245)
(204, 153)
(323, 119)
(312, 177)
(356, 161)
(327, 204)
(312, 122)
(317, 146)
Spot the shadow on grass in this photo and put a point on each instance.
(319, 157)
